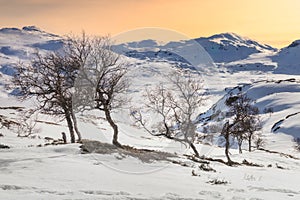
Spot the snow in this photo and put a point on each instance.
(28, 171)
(288, 59)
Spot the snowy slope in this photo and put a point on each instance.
(279, 106)
(228, 47)
(223, 48)
(288, 59)
(18, 45)
(283, 61)
(227, 50)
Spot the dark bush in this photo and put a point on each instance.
(2, 146)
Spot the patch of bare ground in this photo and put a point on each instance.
(145, 155)
(280, 153)
(149, 156)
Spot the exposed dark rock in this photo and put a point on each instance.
(2, 146)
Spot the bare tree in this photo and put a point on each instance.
(101, 80)
(252, 126)
(246, 120)
(177, 107)
(50, 78)
(27, 122)
(238, 132)
(259, 142)
(297, 145)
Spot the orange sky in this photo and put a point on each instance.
(275, 22)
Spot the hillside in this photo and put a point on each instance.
(288, 59)
(278, 103)
(229, 47)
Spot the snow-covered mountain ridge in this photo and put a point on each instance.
(223, 48)
(228, 47)
(228, 50)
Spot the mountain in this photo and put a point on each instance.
(222, 48)
(20, 42)
(15, 42)
(229, 47)
(18, 45)
(226, 51)
(288, 59)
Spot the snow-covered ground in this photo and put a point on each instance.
(30, 169)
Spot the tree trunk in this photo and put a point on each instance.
(194, 149)
(240, 146)
(64, 137)
(76, 126)
(70, 126)
(249, 142)
(240, 149)
(227, 145)
(114, 126)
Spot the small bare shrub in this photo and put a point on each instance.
(268, 110)
(297, 146)
(217, 181)
(27, 124)
(206, 167)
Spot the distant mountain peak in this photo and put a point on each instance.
(228, 35)
(25, 29)
(31, 28)
(9, 30)
(229, 47)
(234, 38)
(294, 44)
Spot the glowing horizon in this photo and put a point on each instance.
(273, 22)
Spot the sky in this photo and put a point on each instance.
(274, 22)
